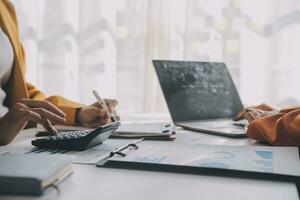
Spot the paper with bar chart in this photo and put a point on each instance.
(279, 160)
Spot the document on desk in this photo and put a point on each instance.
(272, 160)
(151, 131)
(89, 156)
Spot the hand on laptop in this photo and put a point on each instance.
(94, 116)
(256, 112)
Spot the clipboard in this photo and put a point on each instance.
(148, 131)
(120, 151)
(136, 157)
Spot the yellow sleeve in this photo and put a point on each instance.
(67, 106)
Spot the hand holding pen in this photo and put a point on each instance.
(98, 114)
(111, 113)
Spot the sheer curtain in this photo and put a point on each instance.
(74, 46)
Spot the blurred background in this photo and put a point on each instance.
(75, 46)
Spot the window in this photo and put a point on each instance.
(75, 46)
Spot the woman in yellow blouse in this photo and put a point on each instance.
(21, 102)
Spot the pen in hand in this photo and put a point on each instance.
(104, 106)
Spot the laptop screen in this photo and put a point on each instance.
(197, 90)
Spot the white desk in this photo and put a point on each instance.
(90, 182)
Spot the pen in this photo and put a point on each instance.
(103, 105)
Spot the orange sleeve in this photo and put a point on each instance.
(289, 109)
(67, 106)
(282, 129)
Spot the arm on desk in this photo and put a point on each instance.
(281, 129)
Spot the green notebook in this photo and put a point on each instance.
(25, 174)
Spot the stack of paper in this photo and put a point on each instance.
(158, 131)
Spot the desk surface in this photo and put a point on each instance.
(90, 182)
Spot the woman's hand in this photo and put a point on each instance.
(94, 116)
(256, 112)
(42, 112)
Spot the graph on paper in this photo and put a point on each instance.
(244, 158)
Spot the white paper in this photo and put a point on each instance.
(89, 156)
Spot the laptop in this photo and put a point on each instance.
(201, 96)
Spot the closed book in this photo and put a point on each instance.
(28, 174)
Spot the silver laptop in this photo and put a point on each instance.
(201, 96)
